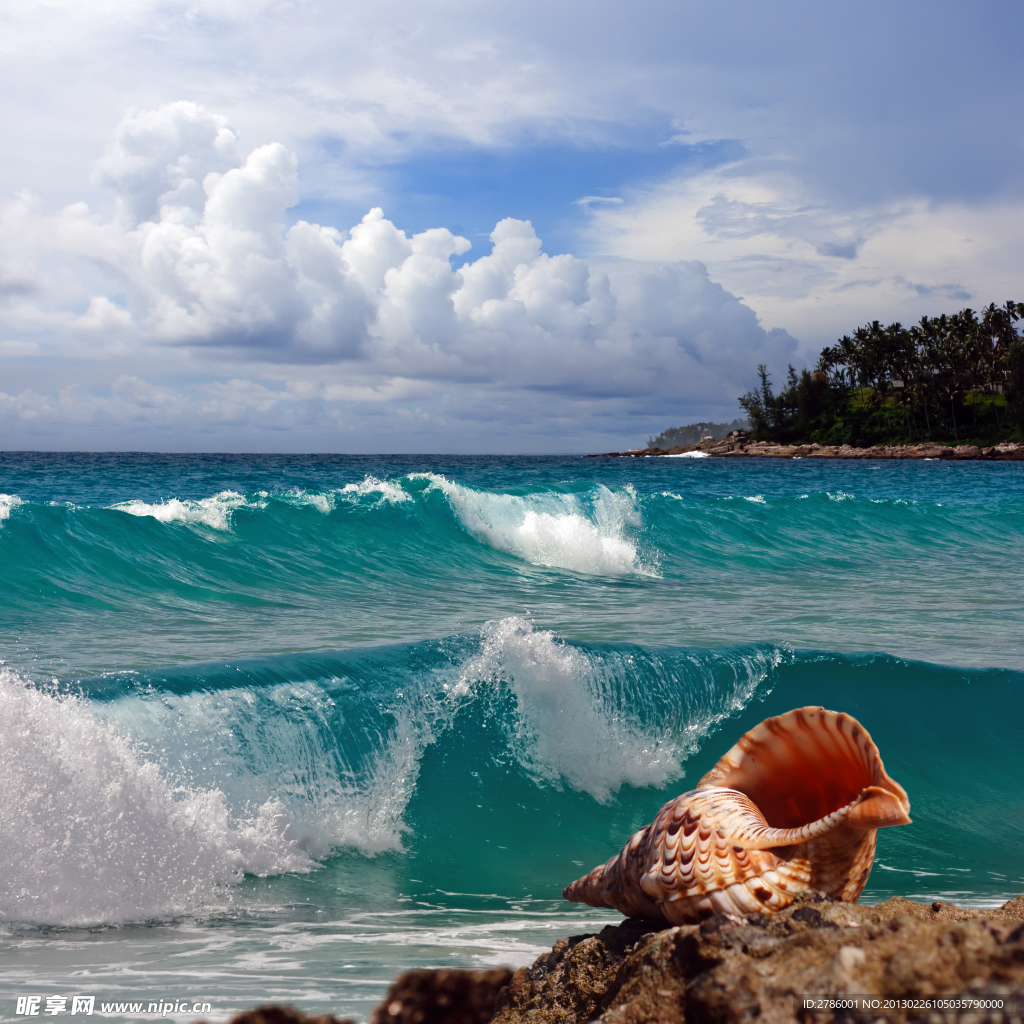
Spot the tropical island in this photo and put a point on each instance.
(950, 386)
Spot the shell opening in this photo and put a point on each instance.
(803, 765)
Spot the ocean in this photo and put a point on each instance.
(274, 728)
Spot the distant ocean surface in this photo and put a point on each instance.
(277, 727)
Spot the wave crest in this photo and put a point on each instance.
(8, 502)
(391, 493)
(101, 834)
(585, 718)
(99, 827)
(563, 730)
(214, 512)
(588, 534)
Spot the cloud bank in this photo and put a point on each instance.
(821, 269)
(825, 164)
(199, 269)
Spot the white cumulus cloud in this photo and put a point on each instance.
(199, 266)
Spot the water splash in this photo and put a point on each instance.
(588, 534)
(563, 730)
(214, 512)
(390, 492)
(8, 502)
(95, 832)
(584, 718)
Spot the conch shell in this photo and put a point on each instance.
(795, 805)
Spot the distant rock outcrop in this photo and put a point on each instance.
(738, 445)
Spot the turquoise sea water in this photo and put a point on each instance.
(276, 727)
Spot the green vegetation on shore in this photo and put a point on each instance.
(693, 432)
(957, 378)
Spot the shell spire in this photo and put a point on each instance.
(795, 804)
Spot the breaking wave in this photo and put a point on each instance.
(8, 502)
(589, 533)
(594, 532)
(143, 795)
(102, 834)
(214, 511)
(488, 760)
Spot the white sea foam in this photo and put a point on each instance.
(8, 502)
(385, 491)
(389, 491)
(214, 512)
(578, 725)
(94, 832)
(323, 503)
(276, 742)
(685, 455)
(93, 828)
(578, 713)
(566, 531)
(564, 733)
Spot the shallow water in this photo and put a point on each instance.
(275, 727)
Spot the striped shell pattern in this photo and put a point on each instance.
(794, 805)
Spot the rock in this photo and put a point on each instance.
(737, 970)
(442, 997)
(732, 970)
(738, 445)
(284, 1015)
(1007, 450)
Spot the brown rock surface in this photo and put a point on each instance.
(283, 1015)
(442, 997)
(729, 970)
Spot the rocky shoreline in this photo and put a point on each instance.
(814, 962)
(729, 970)
(739, 445)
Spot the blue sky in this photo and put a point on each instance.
(268, 226)
(551, 183)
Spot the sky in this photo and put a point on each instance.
(301, 225)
